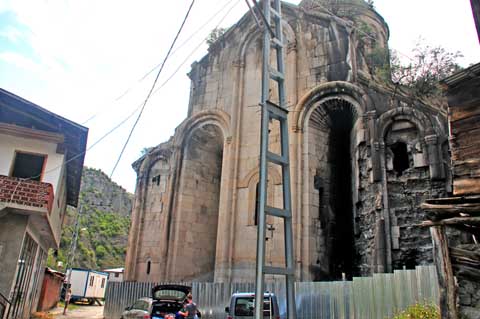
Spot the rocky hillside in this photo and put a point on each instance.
(104, 223)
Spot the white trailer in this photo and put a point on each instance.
(87, 284)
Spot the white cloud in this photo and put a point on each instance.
(20, 61)
(11, 33)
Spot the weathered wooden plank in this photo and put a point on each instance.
(459, 252)
(466, 110)
(438, 211)
(465, 124)
(455, 200)
(464, 152)
(466, 271)
(466, 186)
(446, 280)
(467, 170)
(451, 221)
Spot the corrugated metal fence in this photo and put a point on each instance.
(379, 296)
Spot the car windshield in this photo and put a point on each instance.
(169, 294)
(244, 306)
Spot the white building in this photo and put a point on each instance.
(115, 274)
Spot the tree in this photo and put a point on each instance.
(428, 66)
(216, 34)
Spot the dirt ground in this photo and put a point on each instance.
(80, 312)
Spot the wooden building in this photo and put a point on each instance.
(458, 267)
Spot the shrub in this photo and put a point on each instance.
(419, 311)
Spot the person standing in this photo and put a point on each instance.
(190, 308)
(68, 295)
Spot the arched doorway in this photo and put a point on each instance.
(331, 153)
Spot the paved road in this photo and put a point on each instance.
(81, 312)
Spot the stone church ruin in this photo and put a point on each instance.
(364, 155)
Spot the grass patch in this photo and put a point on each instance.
(419, 311)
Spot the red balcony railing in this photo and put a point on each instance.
(25, 192)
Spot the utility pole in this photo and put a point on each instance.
(73, 248)
(273, 39)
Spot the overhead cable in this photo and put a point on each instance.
(152, 88)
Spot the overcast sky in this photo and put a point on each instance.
(84, 58)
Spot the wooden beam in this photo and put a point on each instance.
(446, 281)
(451, 221)
(471, 209)
(467, 272)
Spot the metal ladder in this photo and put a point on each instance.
(273, 39)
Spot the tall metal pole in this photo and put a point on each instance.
(273, 38)
(73, 246)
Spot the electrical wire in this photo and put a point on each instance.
(121, 123)
(77, 155)
(195, 49)
(152, 88)
(187, 40)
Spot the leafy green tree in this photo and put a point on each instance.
(426, 68)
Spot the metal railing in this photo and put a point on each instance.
(379, 296)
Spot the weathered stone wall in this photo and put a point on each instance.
(408, 186)
(198, 201)
(153, 220)
(365, 212)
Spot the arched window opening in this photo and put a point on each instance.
(149, 264)
(401, 161)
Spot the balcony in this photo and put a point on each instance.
(26, 196)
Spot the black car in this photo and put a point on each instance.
(168, 299)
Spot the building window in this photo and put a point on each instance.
(103, 283)
(149, 263)
(92, 279)
(401, 161)
(28, 165)
(257, 205)
(117, 275)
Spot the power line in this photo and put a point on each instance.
(129, 116)
(195, 49)
(153, 86)
(192, 35)
(77, 155)
(131, 87)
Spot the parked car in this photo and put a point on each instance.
(166, 300)
(141, 308)
(242, 306)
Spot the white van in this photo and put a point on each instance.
(242, 306)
